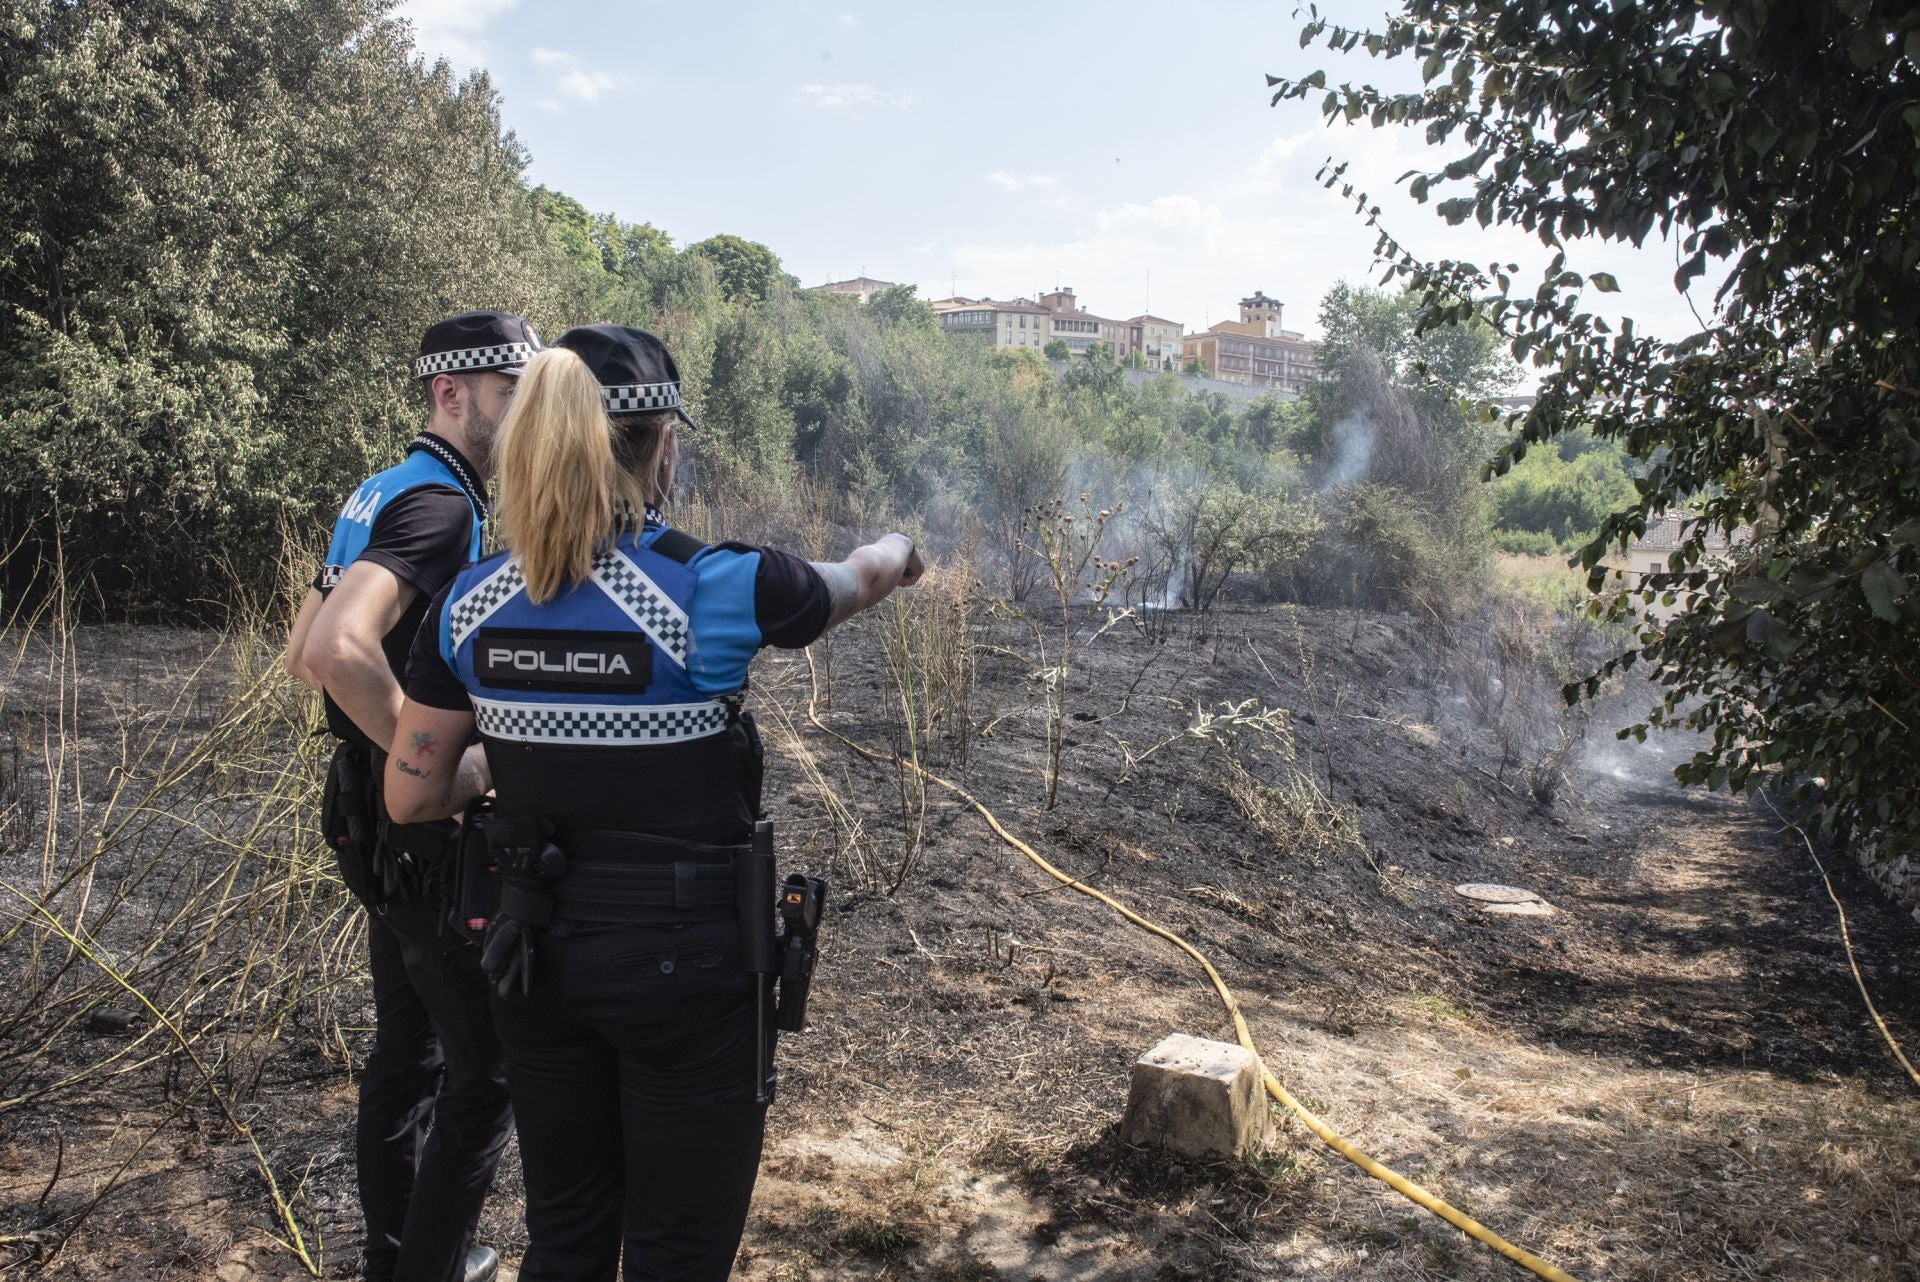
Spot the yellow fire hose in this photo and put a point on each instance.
(1328, 1136)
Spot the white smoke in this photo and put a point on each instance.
(1353, 440)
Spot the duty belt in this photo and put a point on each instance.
(637, 877)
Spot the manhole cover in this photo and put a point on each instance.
(1530, 908)
(1488, 892)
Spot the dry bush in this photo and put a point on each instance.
(1295, 817)
(161, 871)
(1079, 583)
(1512, 661)
(926, 636)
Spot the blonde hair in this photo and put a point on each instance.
(566, 473)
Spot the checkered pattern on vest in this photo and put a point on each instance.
(576, 723)
(651, 609)
(478, 603)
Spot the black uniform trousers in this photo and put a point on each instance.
(434, 1110)
(632, 1067)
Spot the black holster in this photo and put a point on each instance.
(786, 957)
(349, 824)
(476, 877)
(416, 861)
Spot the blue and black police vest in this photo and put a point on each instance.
(354, 526)
(616, 703)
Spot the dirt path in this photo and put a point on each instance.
(1651, 1098)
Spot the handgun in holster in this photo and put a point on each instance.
(477, 875)
(801, 901)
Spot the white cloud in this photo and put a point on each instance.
(852, 101)
(582, 84)
(926, 247)
(589, 85)
(453, 29)
(1274, 228)
(1270, 170)
(1010, 181)
(848, 20)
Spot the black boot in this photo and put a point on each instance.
(482, 1263)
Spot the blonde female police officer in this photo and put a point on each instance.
(601, 659)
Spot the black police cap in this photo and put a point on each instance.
(636, 372)
(476, 343)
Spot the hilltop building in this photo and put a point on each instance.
(860, 287)
(1024, 322)
(1073, 325)
(1255, 350)
(1155, 339)
(1019, 323)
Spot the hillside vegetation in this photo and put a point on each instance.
(224, 227)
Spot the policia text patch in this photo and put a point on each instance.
(517, 659)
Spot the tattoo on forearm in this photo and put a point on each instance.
(425, 743)
(406, 767)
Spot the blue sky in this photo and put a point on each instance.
(988, 149)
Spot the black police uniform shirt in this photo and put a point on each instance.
(423, 537)
(790, 610)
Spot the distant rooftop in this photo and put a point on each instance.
(858, 285)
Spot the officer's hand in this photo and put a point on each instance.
(508, 957)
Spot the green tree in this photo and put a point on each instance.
(223, 227)
(1565, 499)
(746, 269)
(1451, 362)
(1779, 146)
(900, 305)
(1057, 350)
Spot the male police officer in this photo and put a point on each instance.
(436, 1060)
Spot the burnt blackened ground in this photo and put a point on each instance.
(1670, 1076)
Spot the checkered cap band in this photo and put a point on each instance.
(477, 604)
(597, 723)
(473, 360)
(652, 610)
(636, 398)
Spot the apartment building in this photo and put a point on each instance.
(1255, 350)
(1072, 324)
(1016, 323)
(1023, 322)
(1155, 339)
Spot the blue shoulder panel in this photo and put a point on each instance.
(354, 527)
(726, 635)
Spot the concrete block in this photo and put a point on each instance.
(1199, 1097)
